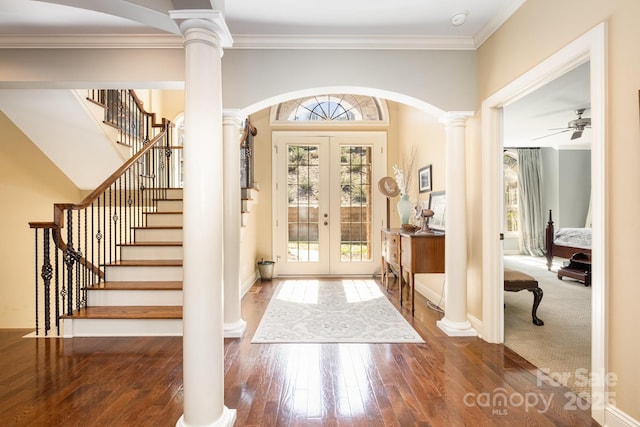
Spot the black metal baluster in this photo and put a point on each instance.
(57, 276)
(46, 278)
(99, 235)
(36, 279)
(120, 240)
(110, 229)
(93, 212)
(79, 264)
(69, 259)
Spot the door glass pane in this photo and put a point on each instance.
(303, 184)
(355, 203)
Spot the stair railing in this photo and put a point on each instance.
(125, 111)
(71, 250)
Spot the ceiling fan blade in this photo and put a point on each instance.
(577, 134)
(551, 134)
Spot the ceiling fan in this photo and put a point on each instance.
(577, 126)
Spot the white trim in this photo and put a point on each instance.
(227, 419)
(247, 284)
(496, 22)
(329, 143)
(359, 90)
(91, 41)
(589, 47)
(306, 41)
(614, 417)
(235, 330)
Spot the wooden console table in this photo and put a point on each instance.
(411, 252)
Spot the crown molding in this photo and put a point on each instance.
(91, 41)
(495, 23)
(302, 41)
(240, 41)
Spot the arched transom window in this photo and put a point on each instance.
(330, 108)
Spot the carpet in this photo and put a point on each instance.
(562, 347)
(336, 311)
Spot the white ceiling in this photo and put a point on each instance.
(547, 110)
(372, 23)
(398, 24)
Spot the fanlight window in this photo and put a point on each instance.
(330, 108)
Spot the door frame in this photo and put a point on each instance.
(589, 47)
(378, 200)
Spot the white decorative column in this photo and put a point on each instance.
(205, 33)
(455, 321)
(234, 324)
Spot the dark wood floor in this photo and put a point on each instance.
(138, 381)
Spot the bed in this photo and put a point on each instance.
(566, 242)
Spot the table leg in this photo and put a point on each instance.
(413, 292)
(400, 276)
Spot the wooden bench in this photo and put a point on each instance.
(515, 281)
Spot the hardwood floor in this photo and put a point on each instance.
(138, 381)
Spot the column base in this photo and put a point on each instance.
(227, 419)
(235, 330)
(456, 329)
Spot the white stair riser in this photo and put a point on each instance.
(164, 220)
(121, 327)
(117, 273)
(102, 298)
(158, 235)
(169, 206)
(138, 253)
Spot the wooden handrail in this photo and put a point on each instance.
(59, 208)
(80, 249)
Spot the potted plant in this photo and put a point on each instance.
(266, 269)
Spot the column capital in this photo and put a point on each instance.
(232, 117)
(211, 21)
(456, 118)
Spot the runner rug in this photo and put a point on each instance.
(332, 311)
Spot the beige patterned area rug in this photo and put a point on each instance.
(562, 346)
(332, 311)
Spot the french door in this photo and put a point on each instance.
(328, 211)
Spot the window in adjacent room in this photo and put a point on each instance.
(511, 210)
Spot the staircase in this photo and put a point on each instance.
(142, 292)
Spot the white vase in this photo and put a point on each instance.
(405, 209)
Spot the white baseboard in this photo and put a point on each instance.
(247, 284)
(475, 324)
(614, 417)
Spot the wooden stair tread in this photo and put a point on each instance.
(137, 286)
(127, 312)
(147, 263)
(133, 244)
(158, 227)
(163, 213)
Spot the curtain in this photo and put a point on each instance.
(530, 199)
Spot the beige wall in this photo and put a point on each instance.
(408, 127)
(29, 186)
(537, 30)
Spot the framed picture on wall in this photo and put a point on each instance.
(424, 179)
(438, 204)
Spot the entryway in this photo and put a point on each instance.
(327, 214)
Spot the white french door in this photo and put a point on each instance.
(327, 209)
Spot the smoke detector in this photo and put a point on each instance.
(459, 18)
